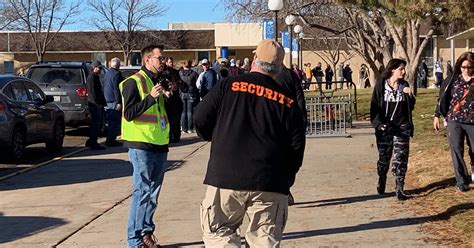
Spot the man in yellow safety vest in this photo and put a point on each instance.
(145, 130)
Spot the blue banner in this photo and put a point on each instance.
(285, 39)
(268, 29)
(294, 48)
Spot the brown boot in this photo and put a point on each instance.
(150, 241)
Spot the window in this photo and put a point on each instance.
(427, 55)
(202, 55)
(8, 91)
(34, 92)
(19, 92)
(56, 76)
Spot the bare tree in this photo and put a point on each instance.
(331, 49)
(6, 17)
(377, 30)
(42, 19)
(122, 19)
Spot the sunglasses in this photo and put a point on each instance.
(467, 67)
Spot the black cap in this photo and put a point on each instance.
(96, 64)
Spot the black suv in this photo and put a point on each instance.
(66, 82)
(27, 116)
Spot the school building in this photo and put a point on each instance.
(195, 41)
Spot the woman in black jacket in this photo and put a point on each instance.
(390, 114)
(456, 104)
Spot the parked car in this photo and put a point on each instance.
(28, 116)
(129, 70)
(66, 82)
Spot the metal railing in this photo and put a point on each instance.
(329, 115)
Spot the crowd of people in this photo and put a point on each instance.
(438, 71)
(190, 83)
(255, 114)
(318, 75)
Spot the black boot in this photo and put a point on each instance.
(381, 184)
(401, 195)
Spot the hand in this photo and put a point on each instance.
(382, 127)
(156, 91)
(436, 123)
(118, 107)
(407, 90)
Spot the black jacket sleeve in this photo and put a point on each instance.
(133, 105)
(444, 97)
(377, 116)
(300, 96)
(205, 116)
(118, 78)
(297, 141)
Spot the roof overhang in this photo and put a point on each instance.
(468, 34)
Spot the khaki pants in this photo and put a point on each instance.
(223, 210)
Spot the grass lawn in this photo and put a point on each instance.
(430, 174)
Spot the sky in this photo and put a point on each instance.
(192, 11)
(178, 11)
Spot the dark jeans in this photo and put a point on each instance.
(457, 132)
(328, 84)
(439, 78)
(113, 120)
(187, 115)
(349, 84)
(97, 114)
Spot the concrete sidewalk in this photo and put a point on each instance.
(83, 201)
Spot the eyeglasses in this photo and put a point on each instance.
(467, 67)
(160, 58)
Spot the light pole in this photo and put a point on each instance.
(275, 6)
(301, 48)
(290, 20)
(298, 31)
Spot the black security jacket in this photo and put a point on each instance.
(257, 134)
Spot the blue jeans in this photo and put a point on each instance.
(148, 173)
(187, 115)
(113, 120)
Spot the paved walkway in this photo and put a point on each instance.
(83, 201)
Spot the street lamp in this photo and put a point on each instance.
(290, 20)
(301, 35)
(298, 29)
(275, 6)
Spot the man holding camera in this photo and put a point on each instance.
(145, 130)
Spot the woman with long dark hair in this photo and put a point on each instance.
(456, 104)
(390, 113)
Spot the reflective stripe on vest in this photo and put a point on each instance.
(152, 126)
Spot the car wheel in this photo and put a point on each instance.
(17, 144)
(55, 144)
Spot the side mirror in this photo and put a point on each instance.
(49, 99)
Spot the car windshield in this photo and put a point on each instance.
(128, 72)
(55, 76)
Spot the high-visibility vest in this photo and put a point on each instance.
(152, 126)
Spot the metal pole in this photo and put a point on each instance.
(291, 43)
(276, 26)
(301, 52)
